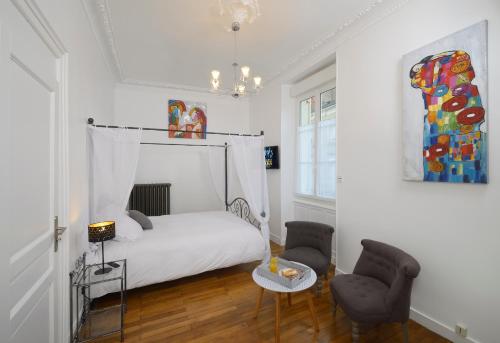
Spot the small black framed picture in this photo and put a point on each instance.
(272, 157)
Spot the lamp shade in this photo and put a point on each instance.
(102, 231)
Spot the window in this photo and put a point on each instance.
(316, 145)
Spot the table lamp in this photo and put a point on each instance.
(100, 232)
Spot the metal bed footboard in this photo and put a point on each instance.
(240, 208)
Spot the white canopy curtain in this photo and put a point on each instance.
(216, 167)
(114, 154)
(217, 174)
(247, 154)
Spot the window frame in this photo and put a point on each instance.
(313, 198)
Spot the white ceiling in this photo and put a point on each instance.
(178, 42)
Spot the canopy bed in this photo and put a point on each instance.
(184, 244)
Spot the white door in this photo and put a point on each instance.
(30, 87)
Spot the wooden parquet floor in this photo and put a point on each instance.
(218, 306)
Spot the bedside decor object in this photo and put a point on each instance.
(88, 321)
(100, 232)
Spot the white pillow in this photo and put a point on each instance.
(127, 229)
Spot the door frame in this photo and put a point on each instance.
(40, 24)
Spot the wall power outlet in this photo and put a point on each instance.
(461, 329)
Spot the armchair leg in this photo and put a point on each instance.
(319, 287)
(404, 326)
(355, 332)
(334, 306)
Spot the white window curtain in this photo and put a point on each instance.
(249, 162)
(113, 158)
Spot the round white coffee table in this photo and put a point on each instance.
(272, 286)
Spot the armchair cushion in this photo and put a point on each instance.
(361, 297)
(310, 257)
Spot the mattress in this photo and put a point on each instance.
(180, 245)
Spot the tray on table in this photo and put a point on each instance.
(263, 270)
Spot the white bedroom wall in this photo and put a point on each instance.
(90, 91)
(185, 167)
(454, 242)
(451, 229)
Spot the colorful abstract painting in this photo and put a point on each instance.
(187, 119)
(444, 109)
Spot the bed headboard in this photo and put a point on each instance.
(151, 199)
(240, 208)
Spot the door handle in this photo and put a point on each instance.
(58, 231)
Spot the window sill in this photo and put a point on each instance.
(313, 201)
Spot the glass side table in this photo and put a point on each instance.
(88, 322)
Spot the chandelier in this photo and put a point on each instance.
(240, 11)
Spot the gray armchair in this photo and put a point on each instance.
(379, 290)
(311, 244)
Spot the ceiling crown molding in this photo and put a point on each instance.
(323, 40)
(100, 19)
(331, 36)
(134, 82)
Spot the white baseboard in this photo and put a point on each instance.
(276, 239)
(339, 271)
(438, 327)
(432, 324)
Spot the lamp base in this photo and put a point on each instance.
(102, 271)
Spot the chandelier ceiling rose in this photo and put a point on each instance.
(241, 11)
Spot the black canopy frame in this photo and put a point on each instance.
(90, 121)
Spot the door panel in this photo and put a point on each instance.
(30, 79)
(32, 123)
(27, 278)
(27, 44)
(38, 322)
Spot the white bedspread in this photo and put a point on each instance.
(181, 245)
